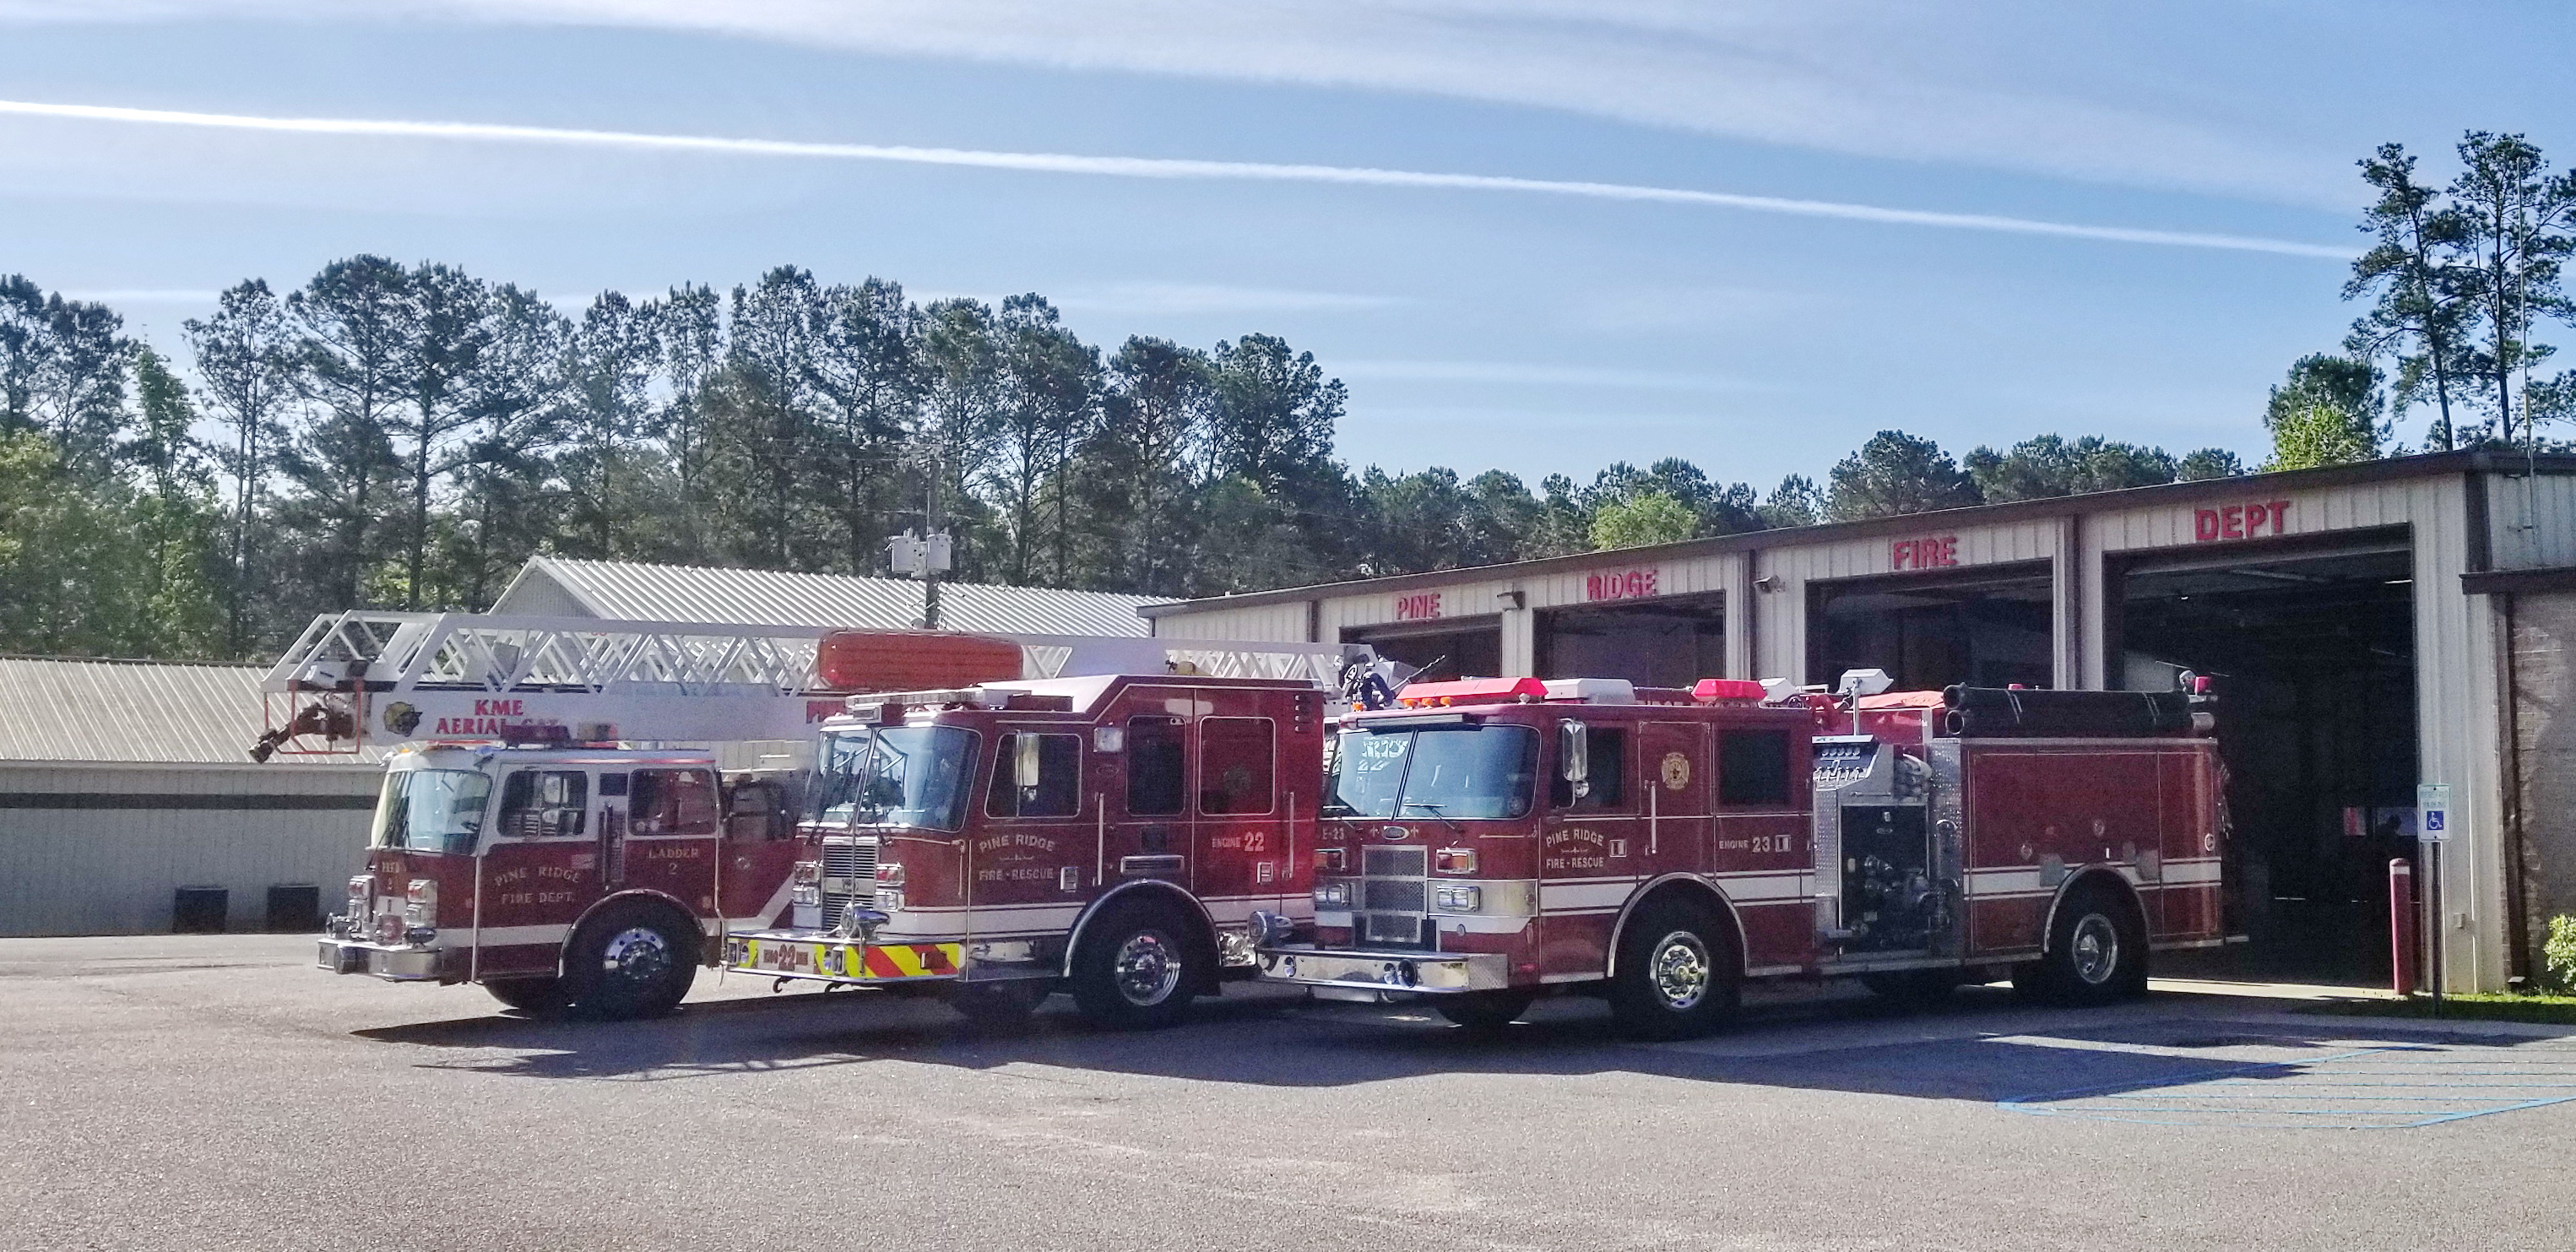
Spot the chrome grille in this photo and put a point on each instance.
(849, 876)
(1389, 908)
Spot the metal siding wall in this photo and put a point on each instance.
(2458, 722)
(113, 871)
(2544, 721)
(2532, 521)
(1258, 623)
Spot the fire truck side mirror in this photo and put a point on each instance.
(1574, 757)
(1024, 762)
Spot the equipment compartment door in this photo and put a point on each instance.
(1890, 905)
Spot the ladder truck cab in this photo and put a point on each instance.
(1486, 840)
(1116, 835)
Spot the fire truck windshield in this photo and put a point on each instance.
(431, 810)
(1447, 773)
(897, 776)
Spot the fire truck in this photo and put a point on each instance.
(1487, 840)
(556, 822)
(1117, 836)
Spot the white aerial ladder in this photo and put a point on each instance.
(366, 679)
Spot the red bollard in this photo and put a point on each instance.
(2401, 925)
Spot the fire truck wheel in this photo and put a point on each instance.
(1484, 1011)
(1677, 972)
(998, 1005)
(528, 995)
(2097, 953)
(1132, 969)
(632, 960)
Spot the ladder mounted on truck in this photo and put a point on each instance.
(365, 679)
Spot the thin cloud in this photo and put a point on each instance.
(1163, 169)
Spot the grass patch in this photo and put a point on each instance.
(2489, 1006)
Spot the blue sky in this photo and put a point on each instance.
(1478, 325)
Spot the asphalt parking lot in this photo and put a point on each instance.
(204, 1093)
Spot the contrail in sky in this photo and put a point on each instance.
(1162, 168)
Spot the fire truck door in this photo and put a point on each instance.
(1240, 858)
(1672, 763)
(758, 853)
(1592, 847)
(1148, 834)
(671, 835)
(540, 869)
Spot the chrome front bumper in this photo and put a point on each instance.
(393, 964)
(1431, 973)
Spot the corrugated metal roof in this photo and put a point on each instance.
(636, 591)
(68, 710)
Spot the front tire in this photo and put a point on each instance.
(1484, 1012)
(1136, 967)
(630, 961)
(1677, 972)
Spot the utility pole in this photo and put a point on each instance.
(936, 559)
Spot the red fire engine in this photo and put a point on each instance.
(541, 832)
(1490, 839)
(1114, 836)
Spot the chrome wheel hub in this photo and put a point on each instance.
(1147, 968)
(2095, 949)
(637, 954)
(1679, 971)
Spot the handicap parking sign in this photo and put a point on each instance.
(2433, 812)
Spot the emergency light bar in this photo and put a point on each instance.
(1471, 691)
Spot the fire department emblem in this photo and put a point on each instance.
(1676, 771)
(401, 718)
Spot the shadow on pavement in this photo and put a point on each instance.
(1979, 1047)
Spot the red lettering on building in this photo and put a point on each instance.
(1419, 607)
(1621, 585)
(1924, 552)
(2239, 521)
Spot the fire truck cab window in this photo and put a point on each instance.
(545, 804)
(1157, 767)
(1235, 774)
(1451, 774)
(1606, 773)
(1036, 776)
(672, 802)
(432, 810)
(899, 776)
(1753, 767)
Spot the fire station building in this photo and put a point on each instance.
(2369, 627)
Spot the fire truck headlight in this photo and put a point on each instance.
(889, 901)
(420, 903)
(1454, 860)
(890, 874)
(1456, 898)
(806, 884)
(1333, 895)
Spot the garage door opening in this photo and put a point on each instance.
(2314, 656)
(1670, 642)
(1465, 649)
(1991, 628)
